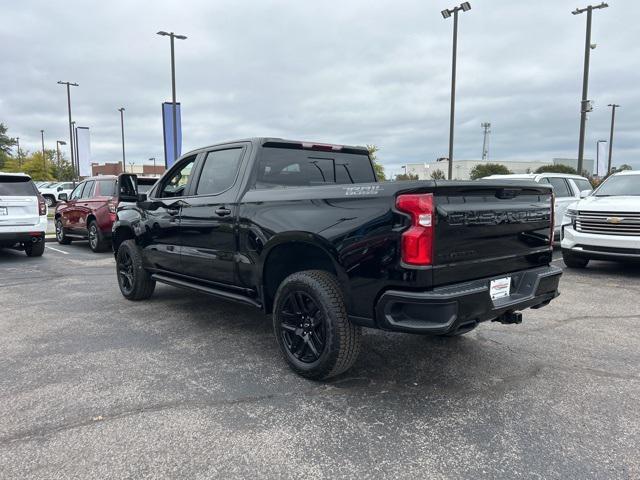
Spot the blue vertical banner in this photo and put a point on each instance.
(167, 128)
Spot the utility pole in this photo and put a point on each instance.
(585, 105)
(613, 119)
(173, 36)
(44, 162)
(121, 110)
(486, 126)
(153, 159)
(58, 143)
(71, 142)
(19, 160)
(465, 6)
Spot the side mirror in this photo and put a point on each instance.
(60, 189)
(585, 193)
(63, 197)
(128, 187)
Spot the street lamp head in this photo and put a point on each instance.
(446, 13)
(62, 142)
(180, 37)
(121, 109)
(466, 6)
(162, 33)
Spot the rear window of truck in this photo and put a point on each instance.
(286, 167)
(15, 185)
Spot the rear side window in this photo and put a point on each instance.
(105, 188)
(295, 167)
(11, 185)
(219, 171)
(560, 187)
(583, 184)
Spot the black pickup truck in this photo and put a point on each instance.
(304, 231)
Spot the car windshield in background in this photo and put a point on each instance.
(144, 185)
(106, 188)
(294, 167)
(617, 185)
(11, 185)
(583, 184)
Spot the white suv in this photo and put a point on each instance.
(606, 224)
(51, 192)
(23, 214)
(567, 189)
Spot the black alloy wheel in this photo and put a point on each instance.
(302, 327)
(125, 272)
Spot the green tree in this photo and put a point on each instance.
(558, 168)
(486, 169)
(6, 143)
(407, 176)
(61, 169)
(36, 168)
(622, 168)
(438, 175)
(377, 166)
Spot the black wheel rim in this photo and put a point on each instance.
(125, 271)
(302, 327)
(59, 231)
(48, 201)
(93, 236)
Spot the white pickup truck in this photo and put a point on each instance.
(51, 193)
(604, 225)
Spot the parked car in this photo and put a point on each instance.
(23, 214)
(51, 192)
(566, 187)
(606, 224)
(89, 211)
(305, 232)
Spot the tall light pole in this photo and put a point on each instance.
(71, 143)
(585, 105)
(613, 119)
(19, 160)
(598, 155)
(173, 36)
(44, 162)
(121, 110)
(153, 159)
(486, 126)
(58, 143)
(465, 7)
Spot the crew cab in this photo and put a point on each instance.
(305, 232)
(23, 214)
(606, 224)
(90, 210)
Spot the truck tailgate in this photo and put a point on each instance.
(486, 230)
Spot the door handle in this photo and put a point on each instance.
(223, 211)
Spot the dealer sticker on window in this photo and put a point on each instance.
(500, 287)
(4, 211)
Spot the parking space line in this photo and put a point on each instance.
(56, 250)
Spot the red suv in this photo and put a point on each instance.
(90, 210)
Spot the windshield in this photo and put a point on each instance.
(16, 185)
(620, 185)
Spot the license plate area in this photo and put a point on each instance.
(500, 288)
(4, 211)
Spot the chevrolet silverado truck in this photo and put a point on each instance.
(305, 232)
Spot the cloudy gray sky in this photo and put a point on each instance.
(353, 72)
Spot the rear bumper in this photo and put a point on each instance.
(447, 309)
(13, 238)
(12, 234)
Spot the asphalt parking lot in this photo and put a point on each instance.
(184, 386)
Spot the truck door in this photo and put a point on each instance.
(207, 218)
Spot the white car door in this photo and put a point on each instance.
(564, 197)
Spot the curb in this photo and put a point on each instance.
(49, 238)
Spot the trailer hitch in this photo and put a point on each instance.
(509, 317)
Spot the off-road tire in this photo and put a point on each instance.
(342, 339)
(140, 285)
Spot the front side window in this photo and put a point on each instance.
(88, 189)
(77, 193)
(219, 171)
(176, 184)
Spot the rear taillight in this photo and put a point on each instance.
(417, 241)
(42, 206)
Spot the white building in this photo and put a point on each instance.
(462, 168)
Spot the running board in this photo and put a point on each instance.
(236, 297)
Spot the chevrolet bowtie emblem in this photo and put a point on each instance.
(614, 219)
